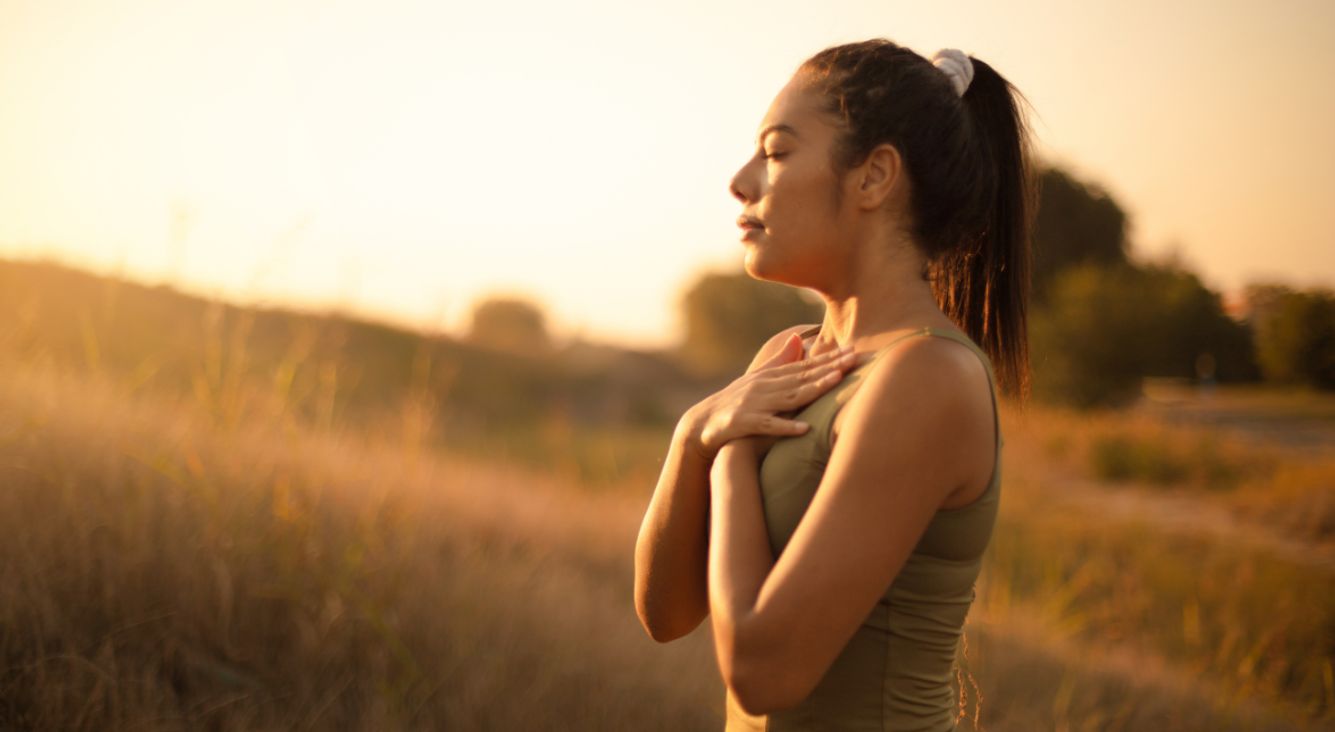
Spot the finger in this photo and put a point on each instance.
(822, 347)
(790, 351)
(788, 393)
(813, 362)
(769, 424)
(805, 386)
(806, 390)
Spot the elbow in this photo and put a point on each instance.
(648, 620)
(760, 690)
(661, 626)
(657, 629)
(761, 681)
(661, 634)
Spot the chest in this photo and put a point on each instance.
(792, 469)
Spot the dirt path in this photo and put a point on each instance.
(1186, 513)
(1303, 421)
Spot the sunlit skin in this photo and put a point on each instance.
(917, 436)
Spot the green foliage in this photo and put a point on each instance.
(1104, 328)
(1080, 341)
(1118, 457)
(1189, 322)
(729, 316)
(1295, 334)
(1075, 223)
(1121, 457)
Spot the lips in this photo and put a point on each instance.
(749, 222)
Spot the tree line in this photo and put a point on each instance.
(1101, 320)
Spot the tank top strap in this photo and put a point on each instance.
(815, 329)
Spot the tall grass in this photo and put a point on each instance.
(169, 573)
(244, 536)
(163, 571)
(1292, 492)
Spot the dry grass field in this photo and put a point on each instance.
(207, 559)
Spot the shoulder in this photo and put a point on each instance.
(925, 361)
(937, 385)
(775, 342)
(929, 370)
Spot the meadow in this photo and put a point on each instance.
(215, 517)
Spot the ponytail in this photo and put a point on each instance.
(973, 194)
(983, 283)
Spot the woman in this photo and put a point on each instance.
(829, 509)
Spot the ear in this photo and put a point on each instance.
(881, 174)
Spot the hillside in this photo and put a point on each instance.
(330, 369)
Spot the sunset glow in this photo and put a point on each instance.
(404, 158)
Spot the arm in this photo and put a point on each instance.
(739, 552)
(671, 548)
(780, 623)
(671, 551)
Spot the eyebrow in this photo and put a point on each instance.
(776, 128)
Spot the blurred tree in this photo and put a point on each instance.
(1083, 342)
(1260, 298)
(1104, 328)
(1189, 329)
(1075, 223)
(729, 316)
(510, 324)
(1295, 333)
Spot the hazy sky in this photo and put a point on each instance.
(403, 158)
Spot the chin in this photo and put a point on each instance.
(754, 263)
(762, 267)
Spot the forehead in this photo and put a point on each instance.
(796, 109)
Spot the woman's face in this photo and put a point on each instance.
(791, 219)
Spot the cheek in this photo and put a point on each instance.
(802, 205)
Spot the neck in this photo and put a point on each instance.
(881, 291)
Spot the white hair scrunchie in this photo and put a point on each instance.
(955, 64)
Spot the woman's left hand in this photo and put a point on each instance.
(756, 446)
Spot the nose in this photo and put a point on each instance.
(735, 187)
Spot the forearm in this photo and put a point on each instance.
(672, 548)
(740, 557)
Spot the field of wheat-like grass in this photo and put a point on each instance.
(215, 517)
(167, 570)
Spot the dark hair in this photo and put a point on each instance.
(972, 192)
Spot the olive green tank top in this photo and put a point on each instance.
(895, 672)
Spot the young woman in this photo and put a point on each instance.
(829, 509)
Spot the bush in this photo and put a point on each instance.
(510, 323)
(1105, 328)
(1154, 460)
(1117, 457)
(1084, 349)
(1295, 334)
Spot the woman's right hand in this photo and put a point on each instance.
(753, 403)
